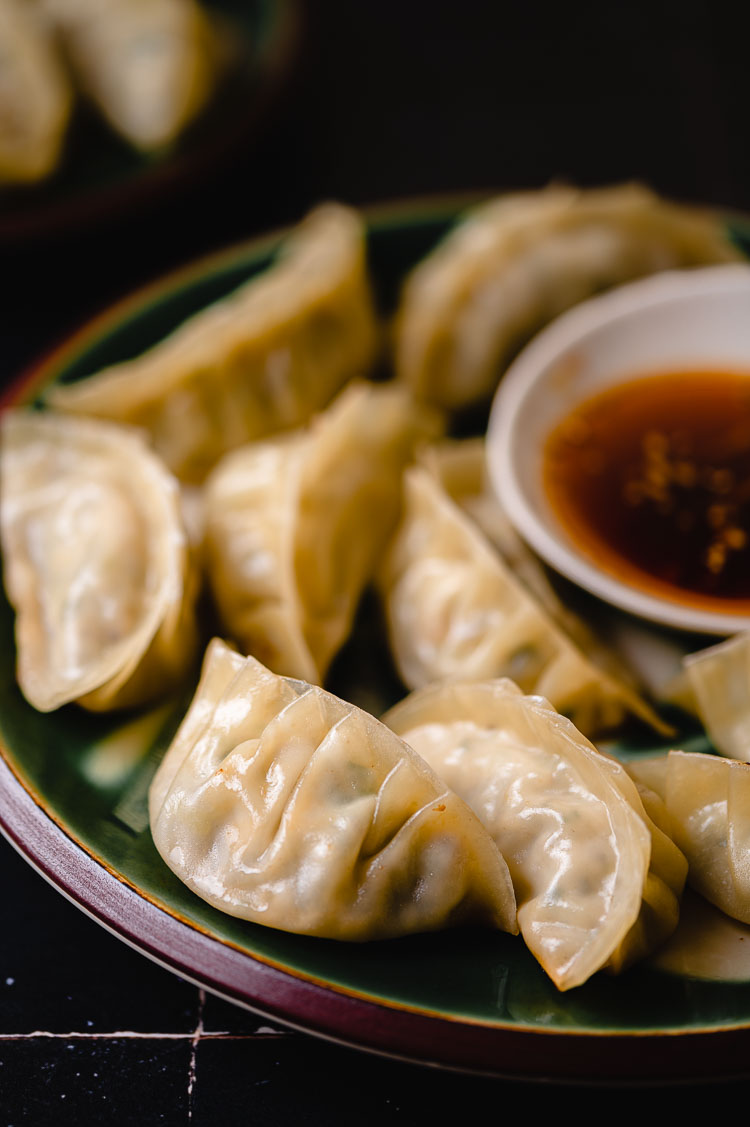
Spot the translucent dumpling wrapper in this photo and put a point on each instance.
(650, 772)
(719, 677)
(262, 360)
(596, 881)
(455, 609)
(516, 262)
(707, 798)
(95, 561)
(150, 66)
(35, 96)
(460, 467)
(295, 527)
(279, 803)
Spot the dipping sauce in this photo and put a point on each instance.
(651, 478)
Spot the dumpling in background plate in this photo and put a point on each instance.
(295, 526)
(516, 262)
(708, 799)
(95, 561)
(456, 610)
(149, 66)
(597, 883)
(279, 803)
(35, 96)
(263, 359)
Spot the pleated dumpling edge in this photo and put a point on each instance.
(598, 884)
(96, 563)
(280, 803)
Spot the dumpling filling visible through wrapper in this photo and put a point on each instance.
(456, 609)
(96, 563)
(279, 803)
(597, 883)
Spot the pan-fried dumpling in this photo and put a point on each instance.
(455, 610)
(708, 800)
(279, 803)
(597, 883)
(262, 360)
(719, 677)
(150, 66)
(518, 261)
(295, 526)
(35, 96)
(95, 563)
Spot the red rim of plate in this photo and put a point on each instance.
(314, 1007)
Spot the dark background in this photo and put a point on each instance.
(383, 100)
(387, 99)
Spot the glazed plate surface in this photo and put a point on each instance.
(73, 801)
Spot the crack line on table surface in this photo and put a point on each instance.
(123, 1034)
(194, 1051)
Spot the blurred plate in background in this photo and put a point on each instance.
(102, 177)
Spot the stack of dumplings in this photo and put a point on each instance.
(309, 479)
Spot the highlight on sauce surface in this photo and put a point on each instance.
(651, 478)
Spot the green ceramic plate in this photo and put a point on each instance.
(101, 176)
(72, 799)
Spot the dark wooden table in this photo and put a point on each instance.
(386, 100)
